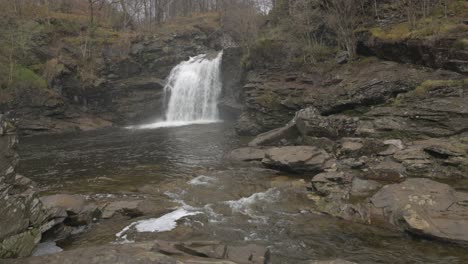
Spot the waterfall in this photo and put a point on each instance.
(192, 92)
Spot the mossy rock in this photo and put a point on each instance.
(429, 85)
(21, 245)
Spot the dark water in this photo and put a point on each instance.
(238, 204)
(77, 162)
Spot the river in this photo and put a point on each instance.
(185, 169)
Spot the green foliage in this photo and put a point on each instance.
(316, 53)
(26, 78)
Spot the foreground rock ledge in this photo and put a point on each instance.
(157, 252)
(426, 208)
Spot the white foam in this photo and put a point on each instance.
(46, 248)
(164, 223)
(203, 180)
(245, 205)
(245, 202)
(164, 124)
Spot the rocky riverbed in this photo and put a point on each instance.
(160, 195)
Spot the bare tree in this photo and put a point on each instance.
(343, 19)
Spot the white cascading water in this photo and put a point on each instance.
(193, 87)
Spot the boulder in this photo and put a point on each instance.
(297, 159)
(276, 137)
(425, 208)
(247, 154)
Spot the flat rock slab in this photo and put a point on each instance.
(426, 208)
(247, 154)
(297, 159)
(71, 203)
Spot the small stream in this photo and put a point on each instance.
(185, 169)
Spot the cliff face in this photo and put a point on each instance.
(119, 83)
(23, 217)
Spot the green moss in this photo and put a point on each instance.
(425, 87)
(432, 26)
(398, 32)
(26, 78)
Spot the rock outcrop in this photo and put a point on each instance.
(426, 208)
(441, 53)
(272, 98)
(23, 219)
(368, 163)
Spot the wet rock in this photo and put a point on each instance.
(247, 154)
(426, 208)
(231, 76)
(297, 159)
(129, 208)
(72, 208)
